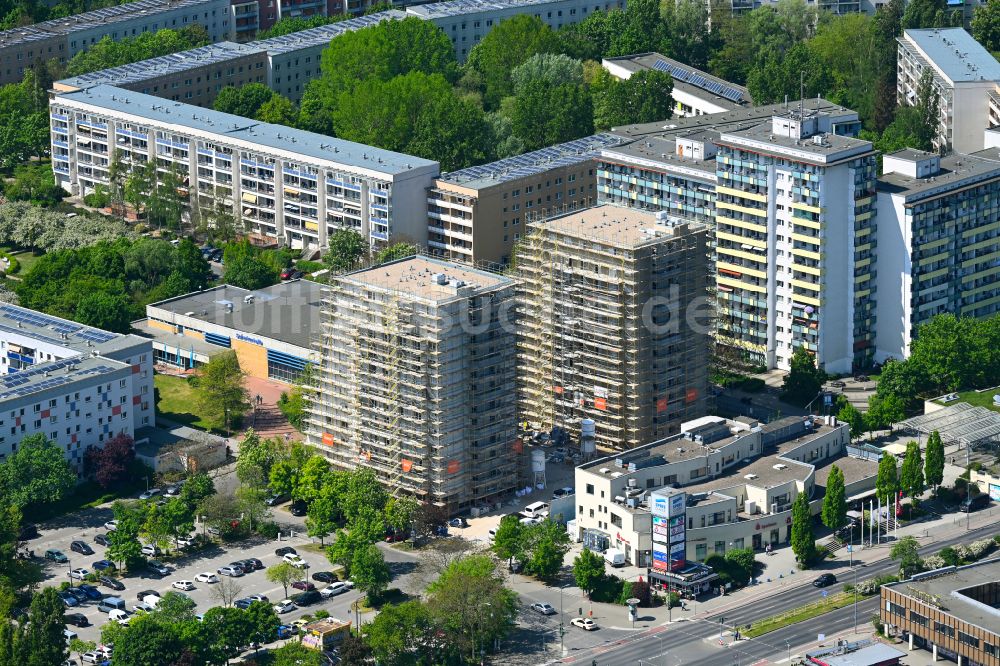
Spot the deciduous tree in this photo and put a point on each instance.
(36, 473)
(588, 570)
(911, 478)
(369, 571)
(887, 482)
(221, 391)
(804, 379)
(934, 460)
(834, 500)
(283, 574)
(803, 539)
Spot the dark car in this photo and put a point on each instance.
(76, 619)
(92, 592)
(28, 531)
(324, 577)
(81, 547)
(243, 604)
(306, 598)
(298, 508)
(158, 568)
(77, 593)
(824, 580)
(242, 566)
(104, 565)
(68, 598)
(147, 593)
(275, 500)
(257, 564)
(102, 540)
(113, 583)
(303, 585)
(285, 550)
(287, 273)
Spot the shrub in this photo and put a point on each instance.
(321, 614)
(268, 530)
(99, 199)
(309, 266)
(607, 590)
(13, 265)
(949, 555)
(935, 562)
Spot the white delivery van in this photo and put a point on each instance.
(536, 510)
(615, 558)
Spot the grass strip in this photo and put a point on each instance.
(800, 614)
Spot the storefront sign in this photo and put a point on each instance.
(247, 338)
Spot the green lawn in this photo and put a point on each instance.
(829, 603)
(26, 259)
(176, 400)
(978, 398)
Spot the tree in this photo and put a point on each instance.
(220, 512)
(347, 247)
(110, 52)
(545, 545)
(508, 542)
(228, 630)
(644, 97)
(263, 622)
(175, 607)
(934, 461)
(852, 416)
(226, 591)
(803, 539)
(588, 570)
(369, 571)
(321, 516)
(906, 552)
(804, 380)
(196, 489)
(36, 473)
(249, 268)
(154, 528)
(244, 101)
(986, 25)
(284, 574)
(296, 654)
(34, 182)
(925, 14)
(42, 642)
(220, 389)
(506, 46)
(886, 483)
(111, 312)
(150, 639)
(252, 505)
(744, 561)
(255, 458)
(911, 478)
(835, 500)
(124, 546)
(110, 463)
(313, 478)
(394, 252)
(544, 112)
(398, 634)
(399, 512)
(24, 117)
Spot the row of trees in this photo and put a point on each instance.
(916, 473)
(540, 547)
(29, 227)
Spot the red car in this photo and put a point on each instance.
(303, 585)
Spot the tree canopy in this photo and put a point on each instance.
(36, 473)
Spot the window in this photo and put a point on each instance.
(616, 520)
(967, 639)
(590, 489)
(917, 618)
(701, 552)
(896, 609)
(943, 629)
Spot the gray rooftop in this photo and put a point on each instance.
(288, 312)
(911, 154)
(956, 171)
(92, 19)
(324, 33)
(762, 469)
(465, 7)
(832, 148)
(165, 65)
(60, 332)
(416, 276)
(955, 53)
(228, 126)
(529, 164)
(46, 376)
(959, 422)
(662, 150)
(687, 78)
(953, 589)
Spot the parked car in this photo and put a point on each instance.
(56, 555)
(147, 593)
(157, 567)
(275, 500)
(207, 577)
(543, 608)
(92, 592)
(285, 631)
(324, 577)
(76, 619)
(102, 540)
(562, 492)
(970, 504)
(150, 550)
(298, 508)
(81, 547)
(458, 522)
(232, 571)
(333, 589)
(92, 657)
(284, 550)
(243, 603)
(68, 599)
(113, 583)
(173, 490)
(258, 597)
(77, 593)
(79, 573)
(295, 560)
(392, 536)
(584, 623)
(303, 585)
(306, 598)
(111, 525)
(104, 565)
(182, 585)
(143, 607)
(284, 606)
(825, 579)
(185, 542)
(287, 273)
(239, 564)
(119, 616)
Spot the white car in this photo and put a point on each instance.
(207, 578)
(119, 616)
(182, 585)
(111, 525)
(79, 574)
(234, 572)
(184, 542)
(285, 606)
(92, 657)
(584, 623)
(150, 550)
(151, 493)
(295, 561)
(530, 521)
(333, 589)
(142, 607)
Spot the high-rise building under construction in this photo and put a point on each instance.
(614, 324)
(416, 377)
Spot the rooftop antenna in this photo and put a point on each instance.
(802, 93)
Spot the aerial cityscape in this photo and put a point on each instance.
(513, 332)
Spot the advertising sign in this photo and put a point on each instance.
(678, 503)
(659, 506)
(677, 529)
(660, 560)
(677, 555)
(995, 492)
(661, 530)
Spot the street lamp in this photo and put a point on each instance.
(562, 622)
(788, 646)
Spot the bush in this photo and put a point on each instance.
(13, 265)
(634, 590)
(949, 556)
(97, 199)
(268, 530)
(321, 614)
(309, 266)
(607, 590)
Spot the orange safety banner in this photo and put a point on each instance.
(453, 467)
(518, 446)
(558, 389)
(407, 465)
(691, 395)
(328, 438)
(661, 405)
(600, 403)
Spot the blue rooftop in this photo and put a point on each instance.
(955, 53)
(156, 110)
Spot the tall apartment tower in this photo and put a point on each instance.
(416, 378)
(795, 222)
(607, 326)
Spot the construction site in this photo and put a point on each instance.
(607, 299)
(416, 377)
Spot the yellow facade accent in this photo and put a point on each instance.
(811, 209)
(982, 243)
(809, 224)
(808, 300)
(979, 260)
(741, 269)
(862, 248)
(808, 254)
(253, 358)
(719, 189)
(759, 228)
(980, 230)
(933, 274)
(312, 226)
(807, 239)
(970, 308)
(861, 217)
(863, 278)
(933, 244)
(985, 287)
(737, 284)
(742, 344)
(811, 270)
(742, 254)
(979, 274)
(740, 239)
(743, 209)
(191, 333)
(802, 284)
(931, 259)
(162, 325)
(863, 232)
(863, 202)
(862, 293)
(862, 262)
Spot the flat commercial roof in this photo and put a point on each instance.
(949, 590)
(529, 164)
(51, 375)
(288, 312)
(764, 471)
(854, 469)
(91, 19)
(956, 171)
(955, 53)
(617, 226)
(324, 33)
(729, 95)
(60, 332)
(832, 148)
(416, 276)
(960, 422)
(158, 110)
(662, 150)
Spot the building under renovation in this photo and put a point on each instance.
(417, 370)
(609, 325)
